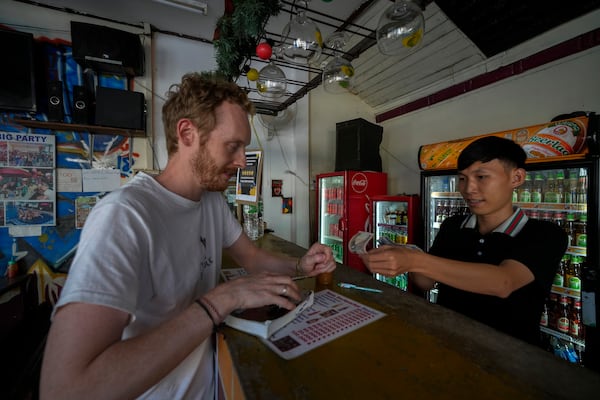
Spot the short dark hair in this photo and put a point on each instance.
(489, 148)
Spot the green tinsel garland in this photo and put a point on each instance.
(239, 33)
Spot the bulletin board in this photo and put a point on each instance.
(248, 182)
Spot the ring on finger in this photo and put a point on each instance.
(284, 290)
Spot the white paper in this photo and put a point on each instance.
(101, 180)
(25, 230)
(69, 180)
(331, 316)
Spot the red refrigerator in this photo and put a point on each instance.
(344, 208)
(396, 218)
(562, 186)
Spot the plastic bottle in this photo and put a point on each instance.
(538, 186)
(525, 190)
(550, 195)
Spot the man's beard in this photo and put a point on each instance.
(208, 173)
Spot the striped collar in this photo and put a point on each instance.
(512, 226)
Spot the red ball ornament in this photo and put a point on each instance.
(264, 50)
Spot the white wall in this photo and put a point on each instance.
(172, 57)
(567, 85)
(285, 155)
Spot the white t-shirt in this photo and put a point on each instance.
(151, 253)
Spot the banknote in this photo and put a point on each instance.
(384, 240)
(359, 242)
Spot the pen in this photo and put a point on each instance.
(353, 286)
(297, 278)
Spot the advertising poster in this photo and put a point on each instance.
(248, 178)
(27, 179)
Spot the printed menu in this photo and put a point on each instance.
(331, 316)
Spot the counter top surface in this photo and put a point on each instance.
(418, 349)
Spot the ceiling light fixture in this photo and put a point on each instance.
(400, 28)
(195, 6)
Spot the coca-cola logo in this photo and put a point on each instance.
(359, 182)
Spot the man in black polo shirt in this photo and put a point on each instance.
(495, 265)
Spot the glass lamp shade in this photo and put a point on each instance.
(271, 82)
(302, 40)
(337, 75)
(400, 28)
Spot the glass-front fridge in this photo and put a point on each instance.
(343, 208)
(561, 186)
(396, 218)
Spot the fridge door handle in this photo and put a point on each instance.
(342, 224)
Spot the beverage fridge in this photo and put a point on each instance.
(397, 219)
(562, 186)
(344, 208)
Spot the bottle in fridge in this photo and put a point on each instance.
(396, 218)
(344, 208)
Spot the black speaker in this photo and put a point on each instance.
(55, 101)
(106, 49)
(120, 108)
(82, 107)
(357, 146)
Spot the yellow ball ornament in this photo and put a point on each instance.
(252, 74)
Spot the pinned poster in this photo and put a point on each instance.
(557, 140)
(247, 187)
(101, 180)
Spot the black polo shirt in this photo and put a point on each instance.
(539, 245)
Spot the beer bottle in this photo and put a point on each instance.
(571, 187)
(582, 188)
(562, 323)
(560, 186)
(439, 211)
(552, 310)
(575, 324)
(544, 318)
(574, 281)
(559, 219)
(581, 231)
(559, 276)
(570, 228)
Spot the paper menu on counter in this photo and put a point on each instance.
(331, 316)
(265, 321)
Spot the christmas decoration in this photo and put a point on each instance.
(252, 74)
(264, 50)
(238, 31)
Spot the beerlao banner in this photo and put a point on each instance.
(565, 139)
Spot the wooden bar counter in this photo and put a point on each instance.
(418, 350)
